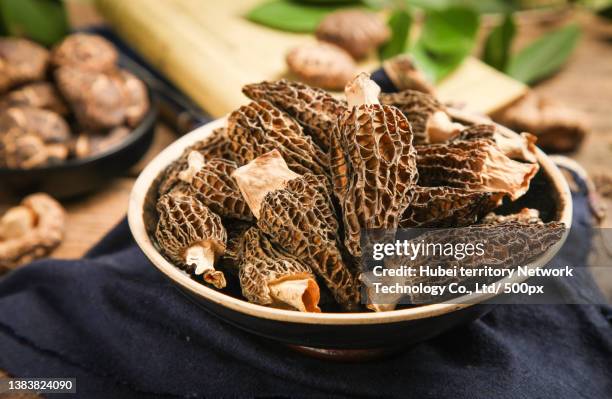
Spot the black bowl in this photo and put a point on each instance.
(78, 176)
(340, 334)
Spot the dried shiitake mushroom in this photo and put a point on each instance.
(191, 235)
(427, 116)
(91, 143)
(259, 127)
(296, 214)
(37, 95)
(216, 145)
(21, 61)
(211, 183)
(85, 51)
(136, 98)
(557, 127)
(525, 215)
(404, 74)
(30, 230)
(322, 65)
(356, 31)
(447, 207)
(268, 277)
(474, 165)
(372, 162)
(315, 109)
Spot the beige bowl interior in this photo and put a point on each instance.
(141, 221)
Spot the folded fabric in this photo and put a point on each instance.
(116, 324)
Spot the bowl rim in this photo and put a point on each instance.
(182, 279)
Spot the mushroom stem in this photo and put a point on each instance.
(502, 174)
(361, 91)
(521, 147)
(202, 256)
(440, 128)
(195, 162)
(302, 294)
(262, 175)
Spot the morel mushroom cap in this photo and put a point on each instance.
(85, 51)
(37, 95)
(216, 145)
(268, 277)
(373, 163)
(91, 143)
(520, 147)
(315, 109)
(259, 127)
(191, 235)
(447, 207)
(97, 99)
(321, 64)
(427, 116)
(211, 183)
(358, 32)
(21, 61)
(262, 175)
(475, 165)
(404, 74)
(30, 230)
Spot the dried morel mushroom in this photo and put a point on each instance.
(404, 74)
(321, 64)
(21, 61)
(474, 165)
(97, 99)
(514, 146)
(136, 98)
(91, 143)
(358, 32)
(216, 145)
(427, 116)
(36, 95)
(525, 215)
(211, 183)
(373, 164)
(506, 245)
(259, 127)
(557, 127)
(297, 215)
(85, 51)
(315, 109)
(191, 235)
(447, 207)
(268, 277)
(30, 230)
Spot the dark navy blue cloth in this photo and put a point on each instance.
(113, 322)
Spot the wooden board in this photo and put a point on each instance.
(209, 50)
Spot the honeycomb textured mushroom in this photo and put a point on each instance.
(211, 183)
(191, 235)
(525, 215)
(216, 145)
(474, 165)
(447, 207)
(322, 65)
(85, 51)
(259, 127)
(315, 109)
(296, 215)
(372, 162)
(506, 245)
(31, 230)
(21, 61)
(515, 146)
(404, 75)
(427, 116)
(267, 277)
(37, 95)
(356, 31)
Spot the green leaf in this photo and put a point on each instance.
(498, 44)
(400, 22)
(43, 21)
(289, 15)
(448, 36)
(545, 55)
